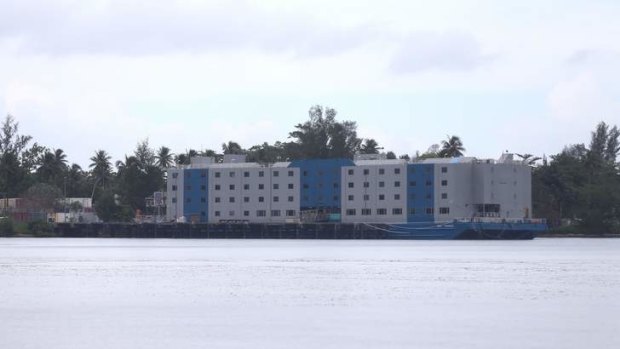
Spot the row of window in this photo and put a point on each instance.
(246, 174)
(305, 186)
(260, 213)
(260, 199)
(395, 211)
(261, 186)
(366, 171)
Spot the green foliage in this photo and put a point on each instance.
(109, 210)
(451, 148)
(582, 185)
(323, 137)
(41, 229)
(6, 227)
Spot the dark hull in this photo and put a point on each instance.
(426, 231)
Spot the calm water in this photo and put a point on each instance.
(121, 293)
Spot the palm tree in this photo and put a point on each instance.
(452, 147)
(232, 148)
(528, 159)
(370, 146)
(101, 168)
(164, 157)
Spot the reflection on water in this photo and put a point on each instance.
(121, 293)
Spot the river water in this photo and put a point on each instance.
(124, 293)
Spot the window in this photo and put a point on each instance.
(351, 184)
(412, 211)
(429, 183)
(246, 199)
(276, 199)
(366, 172)
(203, 187)
(175, 175)
(444, 195)
(261, 213)
(429, 210)
(188, 174)
(231, 213)
(291, 199)
(217, 175)
(336, 198)
(397, 184)
(444, 182)
(275, 213)
(305, 173)
(203, 174)
(291, 213)
(291, 186)
(261, 199)
(396, 196)
(336, 185)
(174, 187)
(397, 171)
(217, 187)
(306, 186)
(381, 197)
(291, 173)
(261, 186)
(412, 196)
(381, 211)
(231, 199)
(276, 173)
(203, 199)
(397, 211)
(428, 195)
(216, 213)
(203, 213)
(351, 212)
(366, 184)
(351, 197)
(217, 199)
(366, 212)
(366, 197)
(276, 186)
(231, 187)
(381, 171)
(246, 213)
(261, 173)
(231, 174)
(246, 187)
(444, 210)
(188, 187)
(305, 198)
(246, 174)
(412, 183)
(444, 169)
(381, 184)
(351, 172)
(174, 200)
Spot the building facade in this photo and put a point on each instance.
(349, 191)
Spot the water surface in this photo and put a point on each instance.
(133, 293)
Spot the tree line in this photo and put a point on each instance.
(580, 185)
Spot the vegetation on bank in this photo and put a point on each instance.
(580, 186)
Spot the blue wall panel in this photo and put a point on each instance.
(196, 195)
(420, 192)
(320, 183)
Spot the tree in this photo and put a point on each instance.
(390, 155)
(164, 157)
(370, 146)
(232, 148)
(323, 137)
(14, 178)
(144, 154)
(101, 169)
(451, 148)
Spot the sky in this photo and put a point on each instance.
(522, 76)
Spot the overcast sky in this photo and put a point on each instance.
(518, 75)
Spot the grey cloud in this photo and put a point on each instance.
(590, 56)
(438, 51)
(155, 27)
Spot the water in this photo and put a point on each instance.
(122, 293)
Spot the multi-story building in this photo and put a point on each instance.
(364, 190)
